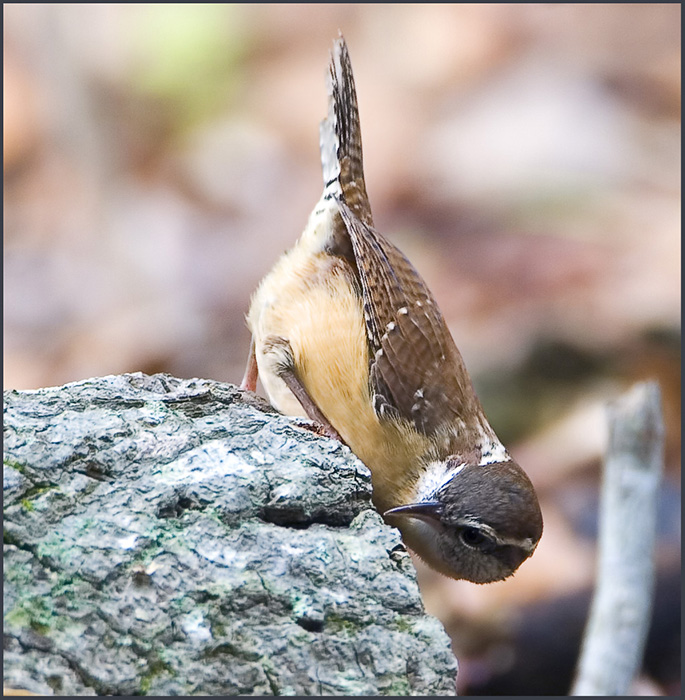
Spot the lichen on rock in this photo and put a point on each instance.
(168, 536)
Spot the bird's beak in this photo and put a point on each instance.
(429, 512)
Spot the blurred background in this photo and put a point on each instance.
(526, 157)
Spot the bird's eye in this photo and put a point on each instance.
(472, 537)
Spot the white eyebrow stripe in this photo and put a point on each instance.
(526, 543)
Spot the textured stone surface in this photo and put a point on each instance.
(167, 536)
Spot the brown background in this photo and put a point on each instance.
(526, 157)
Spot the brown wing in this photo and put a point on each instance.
(416, 371)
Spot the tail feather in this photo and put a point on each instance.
(341, 138)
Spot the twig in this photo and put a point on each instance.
(619, 618)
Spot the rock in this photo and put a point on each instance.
(179, 537)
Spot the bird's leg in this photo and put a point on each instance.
(251, 372)
(284, 365)
(293, 383)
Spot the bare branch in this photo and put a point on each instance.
(619, 618)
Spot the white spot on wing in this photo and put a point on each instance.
(390, 326)
(403, 311)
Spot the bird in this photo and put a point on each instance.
(346, 332)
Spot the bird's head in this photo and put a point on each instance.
(480, 524)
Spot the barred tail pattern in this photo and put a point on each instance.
(340, 137)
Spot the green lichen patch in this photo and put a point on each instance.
(213, 549)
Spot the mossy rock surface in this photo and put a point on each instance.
(179, 537)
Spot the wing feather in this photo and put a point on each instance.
(416, 370)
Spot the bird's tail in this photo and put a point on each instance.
(341, 138)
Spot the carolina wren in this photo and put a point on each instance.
(345, 331)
